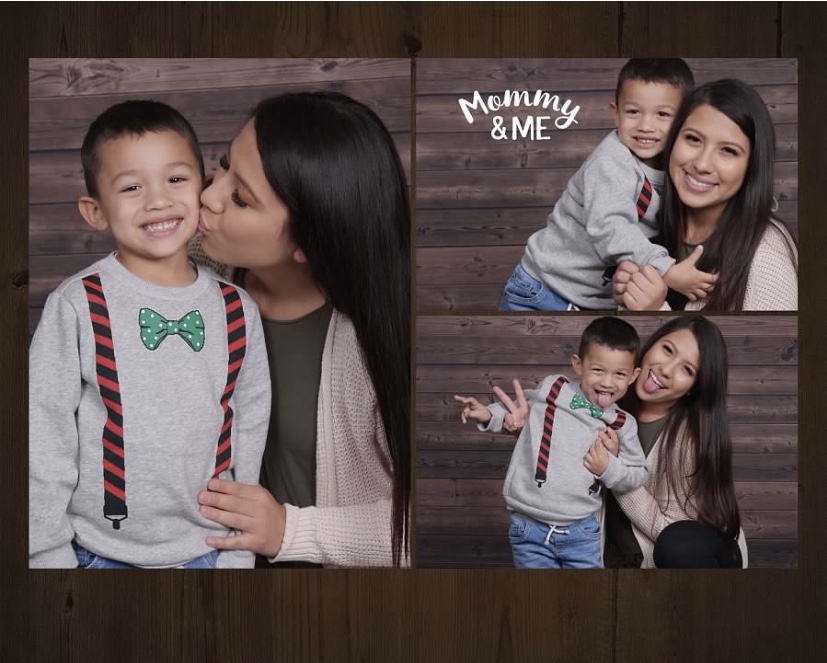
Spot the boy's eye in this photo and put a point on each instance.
(130, 188)
(664, 114)
(224, 162)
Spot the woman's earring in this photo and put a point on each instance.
(774, 207)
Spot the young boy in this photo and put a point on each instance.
(559, 464)
(607, 212)
(148, 376)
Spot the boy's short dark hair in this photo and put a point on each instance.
(673, 71)
(611, 332)
(132, 118)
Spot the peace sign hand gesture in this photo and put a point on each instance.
(517, 413)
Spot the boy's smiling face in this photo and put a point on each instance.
(643, 115)
(148, 196)
(605, 374)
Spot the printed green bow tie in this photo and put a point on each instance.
(580, 401)
(155, 328)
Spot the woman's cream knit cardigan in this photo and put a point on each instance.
(351, 522)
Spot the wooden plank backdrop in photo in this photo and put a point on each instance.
(462, 521)
(479, 199)
(216, 96)
(419, 615)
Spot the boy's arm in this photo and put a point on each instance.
(627, 470)
(499, 411)
(54, 396)
(251, 419)
(611, 219)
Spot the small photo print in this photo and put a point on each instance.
(598, 184)
(581, 441)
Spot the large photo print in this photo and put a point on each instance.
(220, 313)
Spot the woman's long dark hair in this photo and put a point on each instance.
(697, 429)
(334, 164)
(732, 246)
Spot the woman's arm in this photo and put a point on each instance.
(652, 507)
(356, 535)
(772, 284)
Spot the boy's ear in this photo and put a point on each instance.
(613, 108)
(635, 373)
(91, 211)
(576, 364)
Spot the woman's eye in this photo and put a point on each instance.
(689, 138)
(176, 180)
(237, 200)
(224, 162)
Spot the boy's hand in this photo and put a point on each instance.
(623, 274)
(610, 441)
(473, 410)
(686, 279)
(517, 413)
(596, 459)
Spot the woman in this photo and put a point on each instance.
(686, 514)
(718, 193)
(311, 204)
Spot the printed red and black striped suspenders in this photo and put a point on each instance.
(114, 470)
(541, 471)
(644, 199)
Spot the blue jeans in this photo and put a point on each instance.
(535, 545)
(89, 560)
(525, 293)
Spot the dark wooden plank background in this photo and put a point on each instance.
(215, 95)
(461, 516)
(479, 199)
(423, 615)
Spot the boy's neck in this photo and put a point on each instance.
(174, 271)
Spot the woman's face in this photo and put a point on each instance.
(669, 369)
(243, 221)
(709, 160)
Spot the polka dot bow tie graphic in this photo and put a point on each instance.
(579, 401)
(155, 328)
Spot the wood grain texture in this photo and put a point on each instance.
(423, 615)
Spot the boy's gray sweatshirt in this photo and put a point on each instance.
(595, 225)
(564, 496)
(169, 418)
